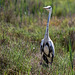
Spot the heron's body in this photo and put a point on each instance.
(47, 46)
(46, 50)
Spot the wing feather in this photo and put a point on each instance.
(41, 46)
(51, 45)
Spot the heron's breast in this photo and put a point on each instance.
(46, 50)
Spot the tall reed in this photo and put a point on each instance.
(15, 4)
(21, 14)
(70, 51)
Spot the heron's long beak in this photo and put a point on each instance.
(45, 7)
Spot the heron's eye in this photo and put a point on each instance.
(49, 7)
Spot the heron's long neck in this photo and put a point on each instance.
(47, 27)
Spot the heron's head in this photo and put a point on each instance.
(48, 8)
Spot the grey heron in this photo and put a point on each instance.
(47, 47)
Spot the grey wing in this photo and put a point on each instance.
(52, 47)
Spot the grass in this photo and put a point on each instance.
(20, 52)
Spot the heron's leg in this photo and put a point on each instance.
(45, 59)
(41, 58)
(52, 59)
